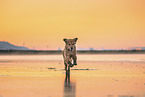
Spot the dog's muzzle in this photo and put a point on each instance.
(71, 49)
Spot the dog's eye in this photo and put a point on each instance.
(68, 44)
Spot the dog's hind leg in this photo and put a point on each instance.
(65, 67)
(68, 69)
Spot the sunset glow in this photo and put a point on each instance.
(42, 24)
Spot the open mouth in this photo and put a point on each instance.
(71, 49)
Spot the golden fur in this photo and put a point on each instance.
(69, 53)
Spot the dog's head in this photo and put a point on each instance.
(70, 43)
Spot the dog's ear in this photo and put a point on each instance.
(65, 40)
(75, 39)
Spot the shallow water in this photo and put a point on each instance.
(94, 57)
(121, 75)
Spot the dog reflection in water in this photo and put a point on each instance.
(69, 87)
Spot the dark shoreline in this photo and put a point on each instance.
(58, 52)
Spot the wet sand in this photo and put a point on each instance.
(87, 79)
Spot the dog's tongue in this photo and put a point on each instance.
(70, 49)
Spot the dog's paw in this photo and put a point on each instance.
(70, 64)
(75, 62)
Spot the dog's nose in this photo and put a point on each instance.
(71, 48)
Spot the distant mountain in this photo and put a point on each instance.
(7, 46)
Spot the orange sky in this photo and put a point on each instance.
(109, 24)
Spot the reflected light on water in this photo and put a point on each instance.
(95, 57)
(69, 87)
(43, 76)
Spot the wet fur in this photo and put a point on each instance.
(69, 53)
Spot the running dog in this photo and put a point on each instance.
(69, 53)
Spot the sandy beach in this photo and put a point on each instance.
(44, 76)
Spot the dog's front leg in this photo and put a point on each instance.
(75, 60)
(69, 61)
